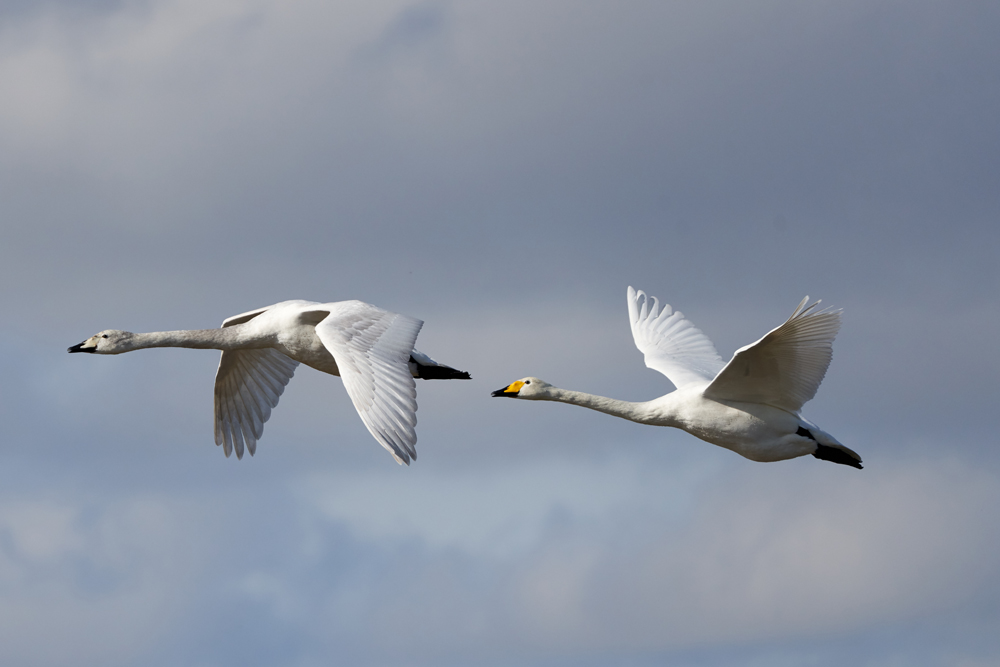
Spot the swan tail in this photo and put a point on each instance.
(425, 368)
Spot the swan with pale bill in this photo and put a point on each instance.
(370, 348)
(750, 405)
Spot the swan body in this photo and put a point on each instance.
(370, 348)
(750, 405)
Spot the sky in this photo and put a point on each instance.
(502, 171)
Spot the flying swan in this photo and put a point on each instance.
(370, 348)
(750, 405)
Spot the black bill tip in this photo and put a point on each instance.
(504, 392)
(80, 348)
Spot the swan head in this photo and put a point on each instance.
(529, 388)
(109, 341)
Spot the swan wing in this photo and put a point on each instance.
(670, 343)
(244, 317)
(297, 304)
(785, 367)
(372, 349)
(248, 385)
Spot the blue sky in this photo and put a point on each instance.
(502, 171)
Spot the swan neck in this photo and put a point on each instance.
(230, 338)
(612, 406)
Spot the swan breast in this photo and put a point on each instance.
(758, 432)
(303, 345)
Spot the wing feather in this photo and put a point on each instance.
(248, 385)
(232, 433)
(669, 343)
(254, 395)
(372, 349)
(244, 317)
(238, 414)
(263, 394)
(784, 368)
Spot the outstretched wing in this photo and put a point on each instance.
(670, 343)
(244, 317)
(372, 349)
(785, 367)
(247, 385)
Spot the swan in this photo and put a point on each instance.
(750, 405)
(370, 348)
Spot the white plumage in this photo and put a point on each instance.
(750, 405)
(370, 348)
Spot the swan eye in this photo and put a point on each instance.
(104, 335)
(527, 382)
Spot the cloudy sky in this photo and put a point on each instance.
(503, 171)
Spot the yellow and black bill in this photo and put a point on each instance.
(510, 390)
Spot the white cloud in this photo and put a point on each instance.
(41, 531)
(791, 553)
(503, 513)
(615, 557)
(100, 585)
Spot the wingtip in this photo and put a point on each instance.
(635, 294)
(806, 309)
(635, 313)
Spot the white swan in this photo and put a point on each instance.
(370, 348)
(750, 405)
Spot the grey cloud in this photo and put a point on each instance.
(502, 171)
(618, 561)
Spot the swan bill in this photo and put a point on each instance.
(510, 391)
(79, 347)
